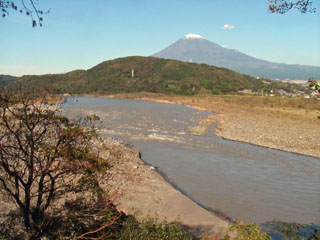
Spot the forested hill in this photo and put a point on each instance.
(6, 79)
(149, 74)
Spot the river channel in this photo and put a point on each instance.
(244, 181)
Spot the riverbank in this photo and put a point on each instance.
(138, 189)
(280, 123)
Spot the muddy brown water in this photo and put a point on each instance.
(244, 181)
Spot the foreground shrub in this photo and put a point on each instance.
(247, 231)
(151, 229)
(87, 219)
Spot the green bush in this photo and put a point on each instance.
(151, 229)
(247, 231)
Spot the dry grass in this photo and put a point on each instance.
(288, 108)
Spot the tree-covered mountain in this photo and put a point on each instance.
(195, 48)
(149, 74)
(6, 79)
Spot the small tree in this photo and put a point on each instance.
(42, 155)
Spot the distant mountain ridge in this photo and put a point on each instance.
(197, 49)
(149, 74)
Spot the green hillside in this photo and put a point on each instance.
(151, 75)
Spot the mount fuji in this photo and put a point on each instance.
(195, 48)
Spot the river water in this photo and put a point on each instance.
(244, 181)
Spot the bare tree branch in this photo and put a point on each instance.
(29, 8)
(283, 6)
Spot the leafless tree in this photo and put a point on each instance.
(42, 155)
(283, 6)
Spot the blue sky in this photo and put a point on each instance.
(78, 34)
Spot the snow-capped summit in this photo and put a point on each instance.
(193, 36)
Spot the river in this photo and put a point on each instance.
(244, 181)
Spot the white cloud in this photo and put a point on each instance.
(227, 26)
